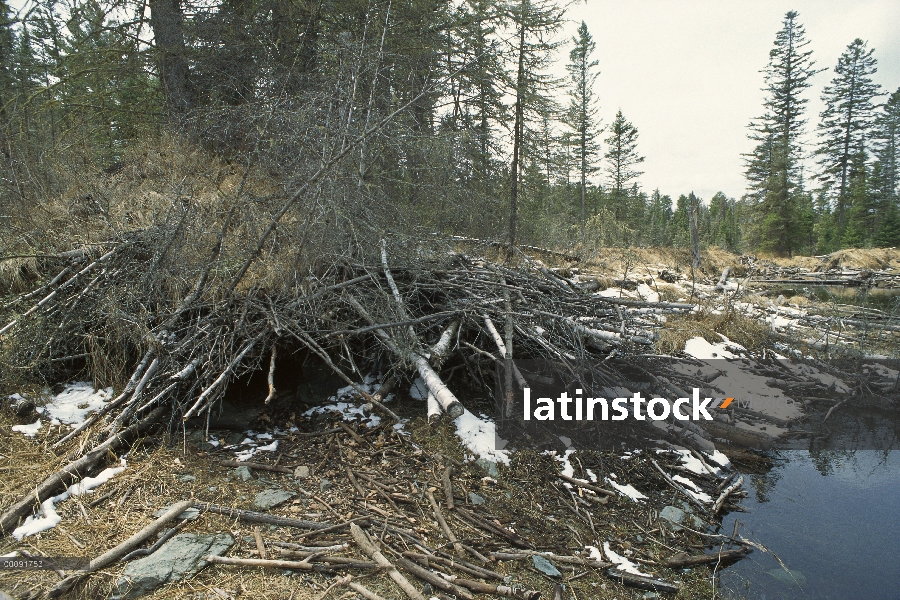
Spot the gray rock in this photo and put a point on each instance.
(476, 499)
(792, 578)
(178, 558)
(325, 485)
(188, 515)
(5, 596)
(489, 466)
(196, 436)
(301, 472)
(545, 566)
(650, 595)
(213, 488)
(186, 478)
(242, 473)
(271, 498)
(677, 517)
(235, 437)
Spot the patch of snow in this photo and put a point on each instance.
(698, 347)
(264, 436)
(28, 430)
(348, 411)
(480, 437)
(269, 448)
(626, 490)
(647, 293)
(622, 563)
(692, 489)
(74, 403)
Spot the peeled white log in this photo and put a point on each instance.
(271, 375)
(444, 396)
(434, 409)
(440, 349)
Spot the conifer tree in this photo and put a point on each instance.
(846, 121)
(622, 160)
(581, 116)
(773, 167)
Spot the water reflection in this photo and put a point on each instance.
(831, 514)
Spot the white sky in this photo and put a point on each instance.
(686, 74)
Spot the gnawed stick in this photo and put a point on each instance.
(255, 517)
(720, 501)
(113, 555)
(297, 565)
(499, 590)
(260, 544)
(271, 378)
(429, 577)
(678, 487)
(641, 581)
(448, 488)
(586, 485)
(338, 561)
(68, 473)
(462, 565)
(370, 550)
(475, 520)
(363, 591)
(443, 523)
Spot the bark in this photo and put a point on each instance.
(167, 22)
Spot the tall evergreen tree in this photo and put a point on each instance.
(846, 121)
(581, 116)
(773, 166)
(887, 148)
(535, 21)
(622, 159)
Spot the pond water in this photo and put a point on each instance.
(833, 519)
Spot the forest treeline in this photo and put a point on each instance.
(431, 116)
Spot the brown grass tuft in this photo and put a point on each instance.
(736, 327)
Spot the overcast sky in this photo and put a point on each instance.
(686, 73)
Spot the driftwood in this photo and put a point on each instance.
(586, 485)
(477, 521)
(443, 523)
(369, 549)
(297, 565)
(724, 556)
(429, 577)
(720, 501)
(429, 559)
(113, 555)
(641, 582)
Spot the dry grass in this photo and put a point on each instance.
(740, 329)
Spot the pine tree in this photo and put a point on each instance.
(581, 116)
(846, 121)
(887, 147)
(622, 160)
(773, 166)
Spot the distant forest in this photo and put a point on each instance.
(428, 116)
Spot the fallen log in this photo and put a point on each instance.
(641, 582)
(724, 556)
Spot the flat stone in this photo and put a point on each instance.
(545, 566)
(674, 516)
(186, 478)
(188, 515)
(5, 596)
(325, 485)
(476, 499)
(301, 472)
(272, 498)
(235, 437)
(489, 466)
(243, 473)
(177, 559)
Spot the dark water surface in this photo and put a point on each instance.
(832, 517)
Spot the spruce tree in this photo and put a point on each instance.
(581, 116)
(887, 148)
(846, 121)
(773, 167)
(622, 160)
